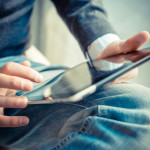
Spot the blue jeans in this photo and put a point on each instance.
(116, 117)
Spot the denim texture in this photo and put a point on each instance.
(116, 117)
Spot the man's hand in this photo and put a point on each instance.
(123, 47)
(14, 77)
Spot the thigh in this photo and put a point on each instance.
(111, 118)
(45, 123)
(125, 95)
(116, 117)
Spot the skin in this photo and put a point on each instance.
(123, 47)
(15, 76)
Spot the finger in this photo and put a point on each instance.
(135, 42)
(124, 57)
(15, 83)
(1, 110)
(121, 58)
(48, 98)
(3, 91)
(124, 78)
(26, 63)
(130, 56)
(15, 69)
(10, 92)
(110, 83)
(13, 101)
(15, 121)
(125, 46)
(130, 75)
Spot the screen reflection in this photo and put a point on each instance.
(84, 75)
(115, 63)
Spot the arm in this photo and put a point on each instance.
(86, 19)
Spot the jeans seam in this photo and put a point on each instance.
(82, 130)
(105, 110)
(82, 106)
(69, 138)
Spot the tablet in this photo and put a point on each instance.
(82, 80)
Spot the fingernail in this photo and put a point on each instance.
(24, 121)
(39, 78)
(21, 103)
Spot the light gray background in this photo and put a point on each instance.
(130, 17)
(51, 36)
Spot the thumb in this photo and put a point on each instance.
(135, 42)
(124, 46)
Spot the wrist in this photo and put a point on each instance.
(100, 44)
(97, 47)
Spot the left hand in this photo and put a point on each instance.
(14, 76)
(123, 47)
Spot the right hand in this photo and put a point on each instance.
(14, 77)
(118, 51)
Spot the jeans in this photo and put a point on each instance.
(115, 117)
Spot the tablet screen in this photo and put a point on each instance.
(86, 74)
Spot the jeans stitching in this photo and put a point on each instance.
(69, 138)
(75, 104)
(82, 130)
(84, 103)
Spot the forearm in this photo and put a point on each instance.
(87, 20)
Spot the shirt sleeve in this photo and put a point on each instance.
(98, 46)
(86, 19)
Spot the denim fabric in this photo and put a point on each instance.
(116, 117)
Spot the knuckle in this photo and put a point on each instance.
(126, 45)
(7, 67)
(11, 121)
(14, 121)
(121, 44)
(7, 102)
(12, 82)
(15, 83)
(15, 102)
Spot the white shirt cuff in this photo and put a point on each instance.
(98, 46)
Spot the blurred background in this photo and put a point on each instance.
(52, 38)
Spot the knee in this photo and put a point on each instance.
(134, 96)
(124, 95)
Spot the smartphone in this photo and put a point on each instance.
(82, 80)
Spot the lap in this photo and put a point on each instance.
(115, 117)
(114, 113)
